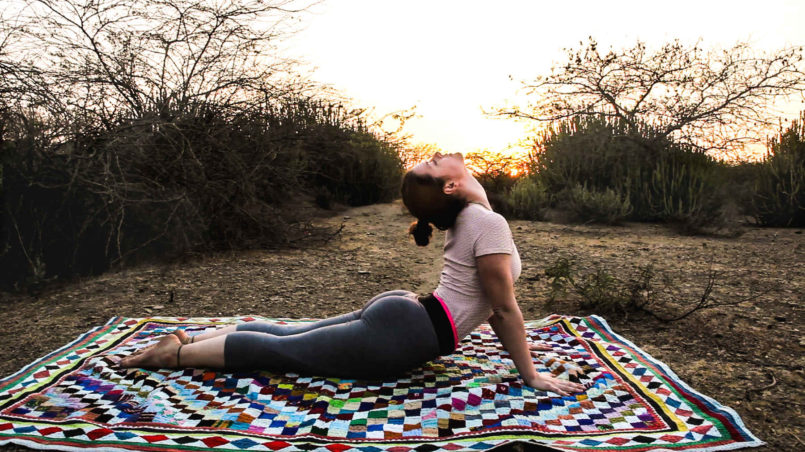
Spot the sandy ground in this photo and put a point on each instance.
(748, 354)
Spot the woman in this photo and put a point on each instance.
(395, 331)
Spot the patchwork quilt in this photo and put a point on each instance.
(76, 398)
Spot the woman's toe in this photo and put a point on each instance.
(183, 337)
(130, 361)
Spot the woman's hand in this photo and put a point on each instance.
(539, 347)
(547, 382)
(543, 347)
(557, 366)
(507, 322)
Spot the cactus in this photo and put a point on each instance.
(779, 189)
(683, 189)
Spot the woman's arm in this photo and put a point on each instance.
(494, 271)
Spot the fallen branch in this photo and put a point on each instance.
(761, 389)
(797, 438)
(330, 236)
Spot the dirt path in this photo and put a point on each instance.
(749, 356)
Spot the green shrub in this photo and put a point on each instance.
(357, 168)
(339, 157)
(605, 171)
(598, 290)
(646, 291)
(594, 151)
(528, 199)
(591, 206)
(779, 190)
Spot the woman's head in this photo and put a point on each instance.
(429, 192)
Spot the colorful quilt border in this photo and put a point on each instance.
(730, 416)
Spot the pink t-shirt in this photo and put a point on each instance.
(478, 231)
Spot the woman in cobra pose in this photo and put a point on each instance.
(395, 331)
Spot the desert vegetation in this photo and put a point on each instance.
(596, 170)
(133, 129)
(653, 136)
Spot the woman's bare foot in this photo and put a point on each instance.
(183, 337)
(163, 355)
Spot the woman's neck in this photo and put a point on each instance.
(473, 191)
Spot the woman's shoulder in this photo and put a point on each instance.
(479, 211)
(487, 231)
(480, 218)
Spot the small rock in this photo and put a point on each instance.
(780, 318)
(347, 217)
(364, 272)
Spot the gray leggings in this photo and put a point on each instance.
(389, 336)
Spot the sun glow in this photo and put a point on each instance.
(455, 60)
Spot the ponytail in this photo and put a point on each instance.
(422, 231)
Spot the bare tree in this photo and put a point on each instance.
(15, 72)
(716, 100)
(411, 154)
(7, 67)
(114, 92)
(489, 164)
(105, 57)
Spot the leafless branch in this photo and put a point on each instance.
(712, 100)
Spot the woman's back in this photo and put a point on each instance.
(478, 231)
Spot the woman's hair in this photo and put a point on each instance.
(424, 197)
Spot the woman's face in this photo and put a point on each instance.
(443, 166)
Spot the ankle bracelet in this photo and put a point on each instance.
(179, 357)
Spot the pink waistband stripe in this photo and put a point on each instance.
(449, 317)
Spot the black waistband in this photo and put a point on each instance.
(441, 323)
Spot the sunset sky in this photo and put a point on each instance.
(452, 59)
